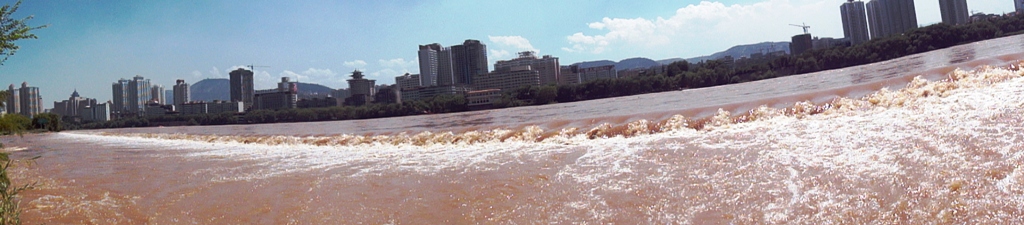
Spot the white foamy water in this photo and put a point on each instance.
(941, 151)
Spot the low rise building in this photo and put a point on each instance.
(215, 107)
(482, 99)
(507, 78)
(597, 73)
(284, 97)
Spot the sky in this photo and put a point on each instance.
(88, 45)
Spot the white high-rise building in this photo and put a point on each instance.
(429, 64)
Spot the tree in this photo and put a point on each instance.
(12, 30)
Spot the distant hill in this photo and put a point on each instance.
(740, 51)
(670, 61)
(594, 63)
(635, 63)
(218, 89)
(210, 90)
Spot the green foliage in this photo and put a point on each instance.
(10, 213)
(14, 124)
(47, 121)
(12, 30)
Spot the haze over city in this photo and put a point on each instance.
(90, 44)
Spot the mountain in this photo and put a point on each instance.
(670, 61)
(740, 51)
(594, 63)
(210, 89)
(218, 89)
(635, 63)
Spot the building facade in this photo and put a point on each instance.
(855, 22)
(284, 97)
(31, 101)
(469, 60)
(954, 12)
(508, 78)
(74, 107)
(157, 95)
(568, 75)
(1019, 5)
(360, 87)
(890, 17)
(429, 56)
(13, 100)
(445, 69)
(800, 44)
(408, 81)
(215, 107)
(181, 92)
(138, 94)
(547, 66)
(119, 99)
(242, 87)
(424, 93)
(596, 73)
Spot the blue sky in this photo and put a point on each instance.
(90, 44)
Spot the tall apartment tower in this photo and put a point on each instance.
(429, 56)
(954, 12)
(242, 87)
(13, 101)
(891, 17)
(546, 66)
(181, 92)
(855, 21)
(156, 92)
(138, 95)
(31, 102)
(445, 73)
(468, 60)
(1019, 5)
(119, 99)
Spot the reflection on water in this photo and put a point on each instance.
(940, 151)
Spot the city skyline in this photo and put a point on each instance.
(100, 42)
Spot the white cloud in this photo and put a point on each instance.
(196, 74)
(518, 42)
(398, 63)
(708, 27)
(355, 64)
(497, 54)
(215, 73)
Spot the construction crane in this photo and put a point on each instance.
(802, 26)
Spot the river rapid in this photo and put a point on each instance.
(928, 138)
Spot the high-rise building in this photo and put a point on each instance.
(138, 95)
(156, 92)
(429, 56)
(119, 106)
(890, 17)
(360, 89)
(242, 87)
(13, 101)
(1019, 5)
(75, 106)
(31, 101)
(469, 60)
(445, 71)
(954, 11)
(855, 21)
(181, 92)
(547, 66)
(800, 44)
